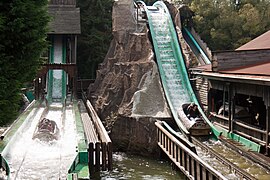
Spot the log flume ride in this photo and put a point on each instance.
(46, 130)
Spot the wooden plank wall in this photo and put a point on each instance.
(62, 2)
(233, 59)
(201, 90)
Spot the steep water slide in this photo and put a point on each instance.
(171, 63)
(29, 158)
(200, 51)
(195, 46)
(178, 90)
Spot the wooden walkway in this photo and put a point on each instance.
(98, 140)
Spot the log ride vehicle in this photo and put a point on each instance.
(46, 130)
(193, 120)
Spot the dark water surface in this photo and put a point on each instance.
(136, 167)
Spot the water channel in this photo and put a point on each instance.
(136, 167)
(252, 168)
(32, 159)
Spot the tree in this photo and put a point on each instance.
(23, 32)
(93, 43)
(226, 25)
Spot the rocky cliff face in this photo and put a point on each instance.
(127, 93)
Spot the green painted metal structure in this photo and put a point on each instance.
(173, 72)
(80, 164)
(51, 72)
(194, 44)
(171, 64)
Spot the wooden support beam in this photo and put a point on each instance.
(91, 159)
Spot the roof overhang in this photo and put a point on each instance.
(237, 78)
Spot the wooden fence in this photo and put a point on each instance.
(186, 160)
(100, 147)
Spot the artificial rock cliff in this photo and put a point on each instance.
(127, 93)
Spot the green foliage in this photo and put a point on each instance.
(226, 25)
(23, 32)
(93, 43)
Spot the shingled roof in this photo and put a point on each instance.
(261, 42)
(65, 20)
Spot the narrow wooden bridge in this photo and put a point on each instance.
(99, 144)
(183, 157)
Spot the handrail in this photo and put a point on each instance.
(96, 120)
(183, 140)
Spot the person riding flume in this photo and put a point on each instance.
(45, 124)
(193, 112)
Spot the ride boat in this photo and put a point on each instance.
(46, 130)
(193, 120)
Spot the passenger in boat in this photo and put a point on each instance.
(46, 124)
(193, 112)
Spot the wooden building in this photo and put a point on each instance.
(59, 71)
(236, 88)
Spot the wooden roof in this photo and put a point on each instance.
(261, 42)
(63, 2)
(249, 63)
(65, 20)
(256, 69)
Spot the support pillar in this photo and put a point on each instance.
(230, 107)
(266, 96)
(267, 132)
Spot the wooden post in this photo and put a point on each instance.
(224, 99)
(229, 108)
(198, 171)
(104, 152)
(266, 97)
(109, 156)
(97, 157)
(91, 159)
(267, 130)
(233, 107)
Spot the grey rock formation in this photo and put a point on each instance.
(127, 93)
